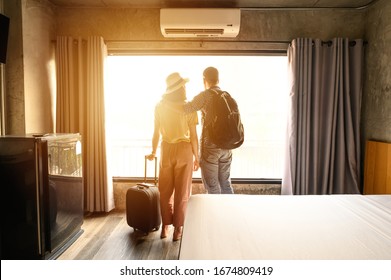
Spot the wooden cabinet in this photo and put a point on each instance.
(377, 173)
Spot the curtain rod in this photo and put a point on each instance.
(201, 41)
(194, 46)
(352, 43)
(198, 41)
(218, 41)
(206, 41)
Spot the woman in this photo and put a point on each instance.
(179, 154)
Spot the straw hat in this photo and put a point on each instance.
(174, 81)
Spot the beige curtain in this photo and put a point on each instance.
(80, 108)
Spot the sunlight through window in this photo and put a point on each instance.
(135, 84)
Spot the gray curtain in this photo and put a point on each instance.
(323, 135)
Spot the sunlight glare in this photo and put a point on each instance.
(136, 83)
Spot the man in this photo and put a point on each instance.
(215, 163)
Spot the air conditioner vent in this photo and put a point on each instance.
(193, 31)
(189, 23)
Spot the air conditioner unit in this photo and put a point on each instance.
(190, 23)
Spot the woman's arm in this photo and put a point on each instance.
(155, 141)
(194, 146)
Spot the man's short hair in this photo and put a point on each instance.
(211, 75)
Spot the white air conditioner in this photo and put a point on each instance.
(185, 23)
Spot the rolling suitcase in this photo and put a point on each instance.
(142, 204)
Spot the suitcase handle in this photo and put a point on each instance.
(145, 172)
(141, 186)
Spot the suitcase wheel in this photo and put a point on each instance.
(146, 232)
(155, 229)
(140, 231)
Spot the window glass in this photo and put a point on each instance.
(135, 84)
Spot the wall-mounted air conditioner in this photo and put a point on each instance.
(177, 23)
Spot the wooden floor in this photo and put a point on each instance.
(108, 237)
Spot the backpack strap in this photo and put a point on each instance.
(208, 116)
(225, 99)
(215, 91)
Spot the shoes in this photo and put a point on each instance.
(177, 234)
(164, 232)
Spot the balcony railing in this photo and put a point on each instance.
(254, 160)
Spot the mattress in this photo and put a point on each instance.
(273, 227)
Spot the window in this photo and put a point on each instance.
(136, 83)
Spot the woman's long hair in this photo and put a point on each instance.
(178, 95)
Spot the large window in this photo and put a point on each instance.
(258, 83)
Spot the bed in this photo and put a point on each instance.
(274, 227)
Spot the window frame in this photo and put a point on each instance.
(194, 48)
(239, 181)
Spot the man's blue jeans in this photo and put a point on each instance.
(215, 166)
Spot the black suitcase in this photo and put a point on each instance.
(143, 205)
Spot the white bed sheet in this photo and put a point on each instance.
(253, 227)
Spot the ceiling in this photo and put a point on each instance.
(250, 4)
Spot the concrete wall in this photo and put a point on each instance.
(39, 66)
(376, 116)
(143, 24)
(30, 81)
(14, 70)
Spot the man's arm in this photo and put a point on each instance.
(196, 104)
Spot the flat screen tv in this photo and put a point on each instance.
(4, 27)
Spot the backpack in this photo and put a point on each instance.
(224, 125)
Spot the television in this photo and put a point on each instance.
(4, 27)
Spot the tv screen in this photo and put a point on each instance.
(4, 26)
